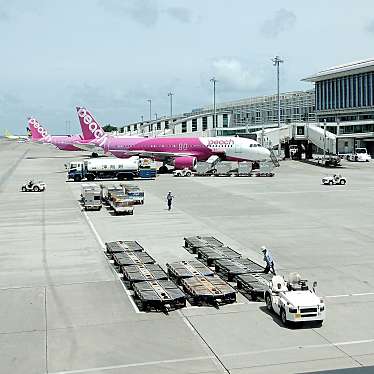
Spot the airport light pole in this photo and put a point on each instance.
(324, 138)
(170, 94)
(156, 116)
(214, 81)
(276, 62)
(150, 109)
(142, 118)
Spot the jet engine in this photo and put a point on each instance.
(188, 162)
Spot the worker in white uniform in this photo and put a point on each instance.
(268, 258)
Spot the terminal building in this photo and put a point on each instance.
(342, 100)
(240, 117)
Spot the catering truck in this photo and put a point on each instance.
(104, 168)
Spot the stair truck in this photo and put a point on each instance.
(104, 168)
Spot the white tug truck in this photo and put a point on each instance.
(293, 301)
(361, 155)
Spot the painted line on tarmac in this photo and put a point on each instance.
(297, 347)
(349, 295)
(147, 363)
(102, 245)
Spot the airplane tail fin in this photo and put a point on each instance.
(7, 133)
(90, 127)
(37, 131)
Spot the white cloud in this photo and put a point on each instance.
(181, 14)
(282, 20)
(234, 76)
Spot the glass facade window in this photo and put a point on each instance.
(158, 125)
(166, 125)
(205, 123)
(194, 124)
(225, 120)
(184, 126)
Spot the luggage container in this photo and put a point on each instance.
(191, 243)
(229, 268)
(145, 272)
(122, 246)
(187, 269)
(208, 290)
(254, 285)
(132, 258)
(162, 295)
(210, 254)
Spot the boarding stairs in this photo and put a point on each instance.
(204, 167)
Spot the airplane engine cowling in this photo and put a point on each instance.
(188, 162)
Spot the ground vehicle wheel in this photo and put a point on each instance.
(269, 305)
(342, 181)
(77, 178)
(94, 155)
(254, 296)
(188, 174)
(36, 189)
(330, 182)
(283, 317)
(23, 189)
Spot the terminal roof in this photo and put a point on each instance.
(356, 67)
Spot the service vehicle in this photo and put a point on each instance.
(182, 173)
(91, 196)
(33, 186)
(120, 203)
(361, 155)
(334, 179)
(135, 193)
(293, 301)
(104, 168)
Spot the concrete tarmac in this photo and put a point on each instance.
(64, 310)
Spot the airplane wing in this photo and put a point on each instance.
(153, 154)
(87, 147)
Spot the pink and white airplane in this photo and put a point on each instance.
(182, 152)
(63, 142)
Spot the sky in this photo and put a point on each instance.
(111, 56)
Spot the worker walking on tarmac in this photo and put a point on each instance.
(169, 199)
(268, 258)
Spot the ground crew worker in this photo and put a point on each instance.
(268, 258)
(169, 199)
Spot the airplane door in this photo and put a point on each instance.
(238, 147)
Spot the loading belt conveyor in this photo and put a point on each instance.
(122, 246)
(191, 243)
(253, 284)
(211, 290)
(210, 254)
(132, 258)
(187, 269)
(159, 295)
(143, 272)
(229, 268)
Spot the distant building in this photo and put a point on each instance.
(344, 99)
(241, 117)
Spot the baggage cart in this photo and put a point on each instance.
(229, 268)
(162, 295)
(191, 243)
(208, 290)
(144, 272)
(187, 269)
(253, 285)
(132, 258)
(122, 246)
(210, 254)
